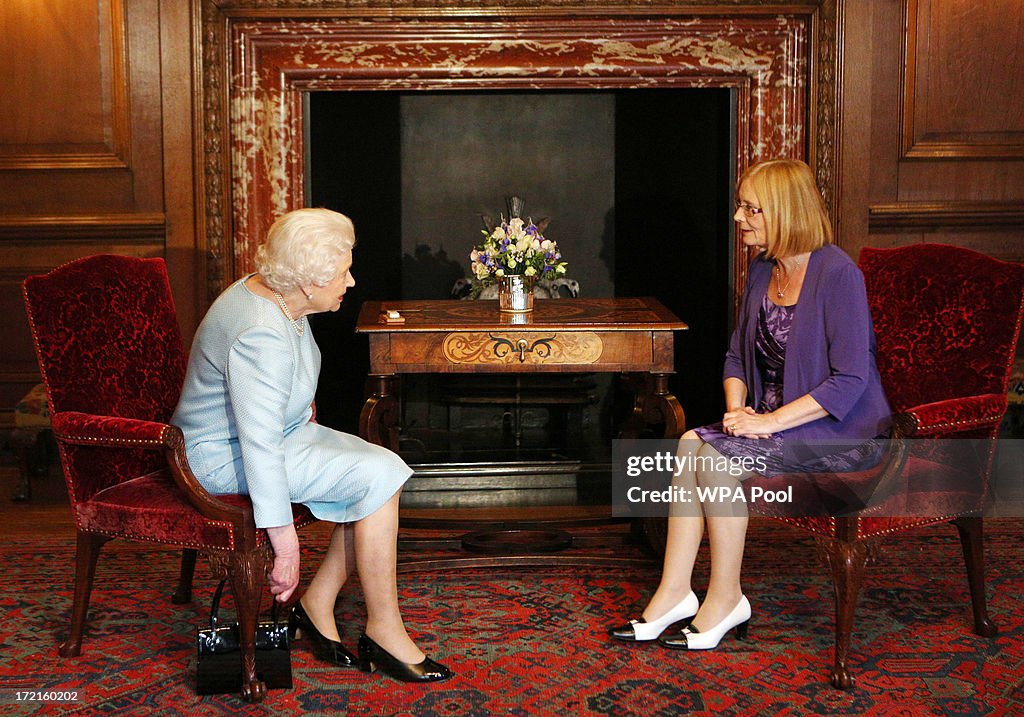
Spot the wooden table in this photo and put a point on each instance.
(631, 336)
(627, 335)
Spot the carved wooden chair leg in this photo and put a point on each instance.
(247, 573)
(183, 593)
(971, 540)
(86, 555)
(846, 560)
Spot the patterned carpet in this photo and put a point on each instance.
(531, 641)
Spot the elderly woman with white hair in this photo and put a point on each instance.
(246, 412)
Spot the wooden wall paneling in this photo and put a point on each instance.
(81, 108)
(142, 29)
(18, 369)
(963, 80)
(855, 135)
(961, 179)
(937, 156)
(80, 149)
(179, 63)
(76, 119)
(965, 216)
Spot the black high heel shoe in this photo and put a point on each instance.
(372, 656)
(324, 648)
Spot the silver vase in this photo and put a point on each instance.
(515, 294)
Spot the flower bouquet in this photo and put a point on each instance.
(514, 254)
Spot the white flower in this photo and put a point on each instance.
(498, 233)
(516, 225)
(530, 271)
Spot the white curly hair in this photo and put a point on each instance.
(303, 247)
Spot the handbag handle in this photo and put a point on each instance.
(215, 606)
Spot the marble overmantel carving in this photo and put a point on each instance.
(258, 57)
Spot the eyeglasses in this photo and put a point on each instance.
(749, 210)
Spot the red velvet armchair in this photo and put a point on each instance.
(112, 358)
(947, 321)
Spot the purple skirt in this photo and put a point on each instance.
(771, 454)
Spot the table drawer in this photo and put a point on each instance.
(474, 351)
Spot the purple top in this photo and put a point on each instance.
(830, 352)
(770, 345)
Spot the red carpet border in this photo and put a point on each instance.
(531, 641)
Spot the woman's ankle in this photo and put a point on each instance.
(322, 617)
(396, 641)
(664, 600)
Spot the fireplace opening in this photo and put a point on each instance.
(637, 186)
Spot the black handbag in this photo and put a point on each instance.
(219, 663)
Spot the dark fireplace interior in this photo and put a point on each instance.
(637, 185)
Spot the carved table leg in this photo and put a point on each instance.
(653, 404)
(666, 406)
(378, 421)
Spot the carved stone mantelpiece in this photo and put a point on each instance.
(260, 56)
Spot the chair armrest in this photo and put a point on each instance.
(952, 416)
(115, 432)
(88, 429)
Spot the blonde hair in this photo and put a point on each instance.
(794, 213)
(303, 247)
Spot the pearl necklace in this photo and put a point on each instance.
(300, 325)
(781, 291)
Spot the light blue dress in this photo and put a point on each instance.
(245, 410)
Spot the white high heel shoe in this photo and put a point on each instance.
(642, 631)
(689, 638)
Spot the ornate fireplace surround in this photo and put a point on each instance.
(258, 57)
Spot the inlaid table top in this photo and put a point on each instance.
(622, 314)
(560, 335)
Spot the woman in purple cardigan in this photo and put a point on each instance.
(800, 371)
